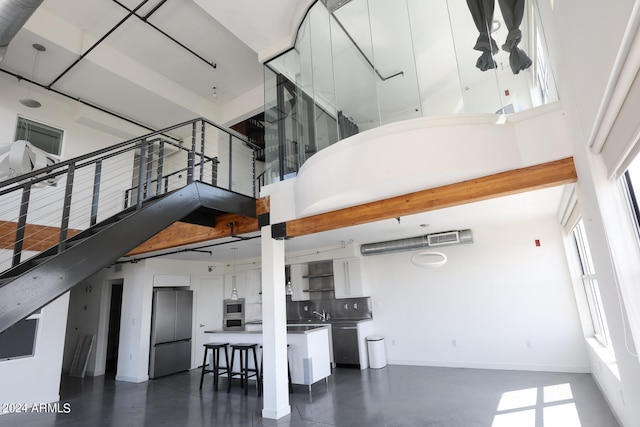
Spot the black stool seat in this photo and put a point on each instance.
(215, 348)
(245, 372)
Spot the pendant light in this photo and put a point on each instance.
(28, 101)
(234, 290)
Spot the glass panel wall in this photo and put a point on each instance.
(394, 59)
(361, 64)
(324, 91)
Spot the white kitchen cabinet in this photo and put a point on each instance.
(349, 279)
(299, 282)
(253, 287)
(240, 282)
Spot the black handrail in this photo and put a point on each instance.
(46, 170)
(152, 154)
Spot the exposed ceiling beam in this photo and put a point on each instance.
(37, 237)
(182, 234)
(515, 181)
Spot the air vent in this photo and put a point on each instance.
(440, 239)
(431, 240)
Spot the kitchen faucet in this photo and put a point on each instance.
(324, 316)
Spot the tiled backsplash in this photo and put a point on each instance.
(346, 308)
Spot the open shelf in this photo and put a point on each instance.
(313, 276)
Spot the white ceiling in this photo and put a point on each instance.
(141, 74)
(136, 71)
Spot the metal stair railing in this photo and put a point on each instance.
(45, 207)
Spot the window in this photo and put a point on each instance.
(44, 137)
(631, 182)
(590, 284)
(19, 340)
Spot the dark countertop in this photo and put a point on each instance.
(328, 322)
(291, 329)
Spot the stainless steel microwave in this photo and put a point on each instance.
(231, 324)
(233, 309)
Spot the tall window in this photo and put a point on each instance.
(590, 284)
(44, 137)
(631, 182)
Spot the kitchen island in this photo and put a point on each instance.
(309, 351)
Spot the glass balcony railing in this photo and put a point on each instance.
(360, 64)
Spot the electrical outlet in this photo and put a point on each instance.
(454, 343)
(528, 343)
(393, 342)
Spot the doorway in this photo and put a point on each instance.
(113, 335)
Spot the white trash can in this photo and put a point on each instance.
(377, 354)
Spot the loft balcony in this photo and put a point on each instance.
(361, 64)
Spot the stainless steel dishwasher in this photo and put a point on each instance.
(345, 344)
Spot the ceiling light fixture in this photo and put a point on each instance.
(429, 259)
(234, 290)
(28, 101)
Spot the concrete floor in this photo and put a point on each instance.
(392, 396)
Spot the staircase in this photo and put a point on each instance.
(88, 213)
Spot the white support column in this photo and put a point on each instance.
(274, 328)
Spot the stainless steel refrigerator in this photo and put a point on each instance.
(170, 332)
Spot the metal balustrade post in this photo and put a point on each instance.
(192, 154)
(22, 223)
(202, 152)
(66, 207)
(149, 172)
(160, 166)
(143, 155)
(253, 167)
(214, 171)
(230, 161)
(96, 192)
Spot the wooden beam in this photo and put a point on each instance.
(36, 237)
(180, 233)
(39, 238)
(497, 185)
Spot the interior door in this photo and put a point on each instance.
(208, 313)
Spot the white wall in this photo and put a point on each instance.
(582, 81)
(36, 379)
(79, 138)
(63, 114)
(135, 326)
(506, 303)
(83, 319)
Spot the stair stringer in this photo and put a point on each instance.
(41, 284)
